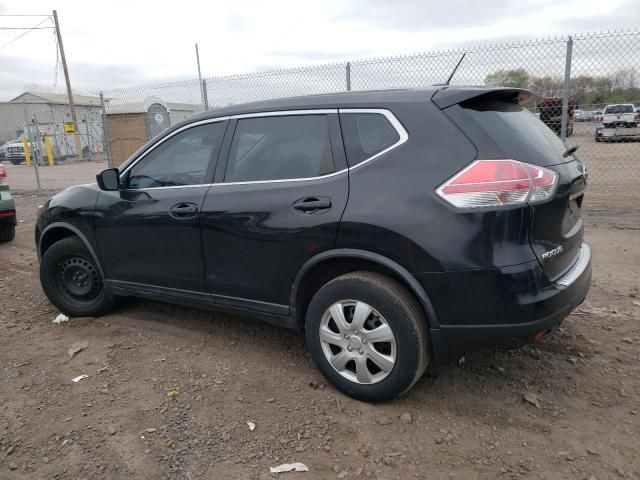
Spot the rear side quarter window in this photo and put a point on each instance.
(366, 135)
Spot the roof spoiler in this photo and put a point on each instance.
(448, 96)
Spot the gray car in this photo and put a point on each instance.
(8, 220)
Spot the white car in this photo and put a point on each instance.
(620, 115)
(618, 121)
(13, 151)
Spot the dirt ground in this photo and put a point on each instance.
(468, 420)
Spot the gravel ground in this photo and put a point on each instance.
(171, 389)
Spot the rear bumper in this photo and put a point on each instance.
(618, 132)
(507, 308)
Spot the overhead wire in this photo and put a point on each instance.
(25, 28)
(24, 33)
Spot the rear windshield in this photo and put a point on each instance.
(618, 109)
(517, 132)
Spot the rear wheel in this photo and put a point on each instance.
(367, 334)
(71, 280)
(7, 233)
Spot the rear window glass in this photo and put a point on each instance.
(365, 135)
(518, 132)
(615, 109)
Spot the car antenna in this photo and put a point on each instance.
(456, 68)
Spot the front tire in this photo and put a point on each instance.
(367, 335)
(72, 281)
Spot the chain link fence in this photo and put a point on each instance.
(575, 79)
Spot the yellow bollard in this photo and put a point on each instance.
(27, 152)
(47, 146)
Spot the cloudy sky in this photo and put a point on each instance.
(121, 43)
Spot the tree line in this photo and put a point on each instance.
(587, 91)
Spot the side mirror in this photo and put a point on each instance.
(108, 179)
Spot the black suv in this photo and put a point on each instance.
(393, 228)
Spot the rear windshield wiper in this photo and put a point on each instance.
(570, 151)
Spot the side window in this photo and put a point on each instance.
(182, 160)
(366, 134)
(280, 148)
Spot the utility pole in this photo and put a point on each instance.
(566, 92)
(72, 107)
(203, 92)
(31, 145)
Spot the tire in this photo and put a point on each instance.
(71, 280)
(390, 304)
(598, 139)
(7, 233)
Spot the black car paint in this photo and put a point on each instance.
(250, 247)
(246, 226)
(142, 243)
(551, 223)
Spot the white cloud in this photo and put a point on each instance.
(119, 43)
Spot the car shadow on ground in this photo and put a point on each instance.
(489, 373)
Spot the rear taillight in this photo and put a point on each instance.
(544, 183)
(3, 175)
(498, 183)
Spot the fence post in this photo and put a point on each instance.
(348, 73)
(205, 98)
(106, 142)
(566, 92)
(34, 154)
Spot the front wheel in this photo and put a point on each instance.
(71, 280)
(367, 334)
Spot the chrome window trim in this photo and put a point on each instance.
(284, 113)
(395, 123)
(393, 120)
(171, 135)
(172, 187)
(282, 180)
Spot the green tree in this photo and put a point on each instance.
(546, 86)
(516, 78)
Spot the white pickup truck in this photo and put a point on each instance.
(618, 121)
(13, 151)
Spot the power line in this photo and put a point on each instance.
(9, 15)
(24, 33)
(25, 28)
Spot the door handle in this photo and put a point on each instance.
(182, 211)
(312, 204)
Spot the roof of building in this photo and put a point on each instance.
(60, 98)
(122, 106)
